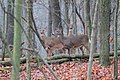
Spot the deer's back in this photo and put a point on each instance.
(79, 40)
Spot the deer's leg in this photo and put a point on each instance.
(74, 50)
(69, 50)
(87, 47)
(50, 52)
(81, 48)
(64, 51)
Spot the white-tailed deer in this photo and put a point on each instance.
(51, 43)
(70, 34)
(57, 43)
(80, 41)
(66, 41)
(76, 42)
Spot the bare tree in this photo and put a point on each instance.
(29, 4)
(67, 18)
(93, 36)
(10, 22)
(87, 17)
(93, 2)
(49, 19)
(74, 20)
(104, 31)
(17, 40)
(115, 41)
(56, 16)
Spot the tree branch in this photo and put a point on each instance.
(80, 18)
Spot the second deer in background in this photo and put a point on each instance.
(71, 34)
(71, 42)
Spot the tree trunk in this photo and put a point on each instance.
(92, 17)
(92, 11)
(56, 16)
(92, 47)
(10, 23)
(67, 19)
(74, 20)
(104, 32)
(29, 33)
(50, 19)
(17, 40)
(115, 41)
(87, 17)
(4, 33)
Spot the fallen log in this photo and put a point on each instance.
(74, 56)
(60, 58)
(7, 61)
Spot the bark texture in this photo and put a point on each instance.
(104, 32)
(56, 16)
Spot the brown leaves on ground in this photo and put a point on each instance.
(66, 71)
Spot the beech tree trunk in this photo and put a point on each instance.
(104, 32)
(17, 40)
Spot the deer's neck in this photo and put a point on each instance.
(70, 33)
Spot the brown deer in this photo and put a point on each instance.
(80, 41)
(65, 41)
(70, 34)
(74, 41)
(51, 43)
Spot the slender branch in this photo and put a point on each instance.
(80, 19)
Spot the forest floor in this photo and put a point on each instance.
(75, 70)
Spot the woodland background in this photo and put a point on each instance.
(22, 20)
